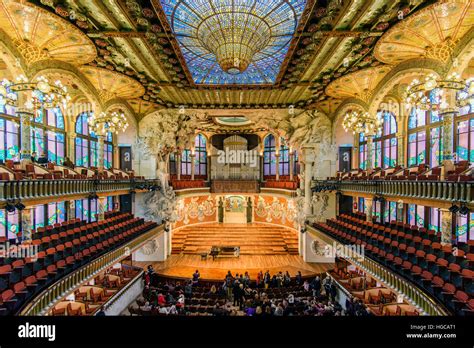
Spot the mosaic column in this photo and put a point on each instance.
(370, 147)
(368, 202)
(100, 152)
(101, 205)
(26, 225)
(446, 227)
(401, 149)
(71, 147)
(448, 134)
(25, 116)
(178, 166)
(302, 170)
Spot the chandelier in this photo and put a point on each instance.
(361, 123)
(466, 96)
(44, 94)
(234, 37)
(431, 94)
(104, 123)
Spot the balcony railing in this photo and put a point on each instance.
(412, 293)
(435, 190)
(44, 301)
(42, 188)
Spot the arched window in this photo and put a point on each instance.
(48, 135)
(384, 148)
(186, 162)
(9, 131)
(465, 131)
(284, 160)
(269, 158)
(87, 145)
(425, 126)
(201, 156)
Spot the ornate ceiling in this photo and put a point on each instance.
(152, 52)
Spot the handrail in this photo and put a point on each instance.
(44, 188)
(127, 286)
(415, 295)
(421, 189)
(43, 302)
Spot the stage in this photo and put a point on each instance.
(263, 247)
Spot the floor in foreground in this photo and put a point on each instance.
(184, 265)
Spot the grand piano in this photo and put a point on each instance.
(224, 251)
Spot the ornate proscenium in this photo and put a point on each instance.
(104, 123)
(358, 122)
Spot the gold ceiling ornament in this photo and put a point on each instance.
(432, 92)
(442, 51)
(108, 122)
(362, 122)
(39, 34)
(31, 53)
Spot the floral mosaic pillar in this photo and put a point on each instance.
(25, 116)
(100, 152)
(370, 148)
(446, 227)
(448, 135)
(368, 208)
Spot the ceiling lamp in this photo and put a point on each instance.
(234, 37)
(44, 94)
(358, 122)
(105, 123)
(6, 96)
(466, 96)
(431, 93)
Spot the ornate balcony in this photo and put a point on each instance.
(38, 189)
(444, 191)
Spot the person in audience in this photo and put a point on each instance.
(161, 300)
(259, 280)
(196, 277)
(287, 279)
(33, 157)
(150, 270)
(246, 279)
(333, 291)
(213, 289)
(267, 279)
(316, 286)
(43, 159)
(146, 307)
(68, 163)
(298, 278)
(306, 285)
(188, 289)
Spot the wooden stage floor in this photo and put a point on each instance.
(183, 266)
(263, 252)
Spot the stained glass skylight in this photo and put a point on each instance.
(234, 41)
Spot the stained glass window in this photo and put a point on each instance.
(423, 124)
(9, 139)
(173, 164)
(9, 224)
(416, 148)
(363, 156)
(200, 151)
(390, 212)
(48, 136)
(435, 219)
(269, 158)
(436, 146)
(361, 204)
(56, 212)
(186, 162)
(284, 160)
(465, 227)
(465, 140)
(87, 154)
(384, 148)
(416, 215)
(204, 30)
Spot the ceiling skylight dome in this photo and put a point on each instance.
(234, 41)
